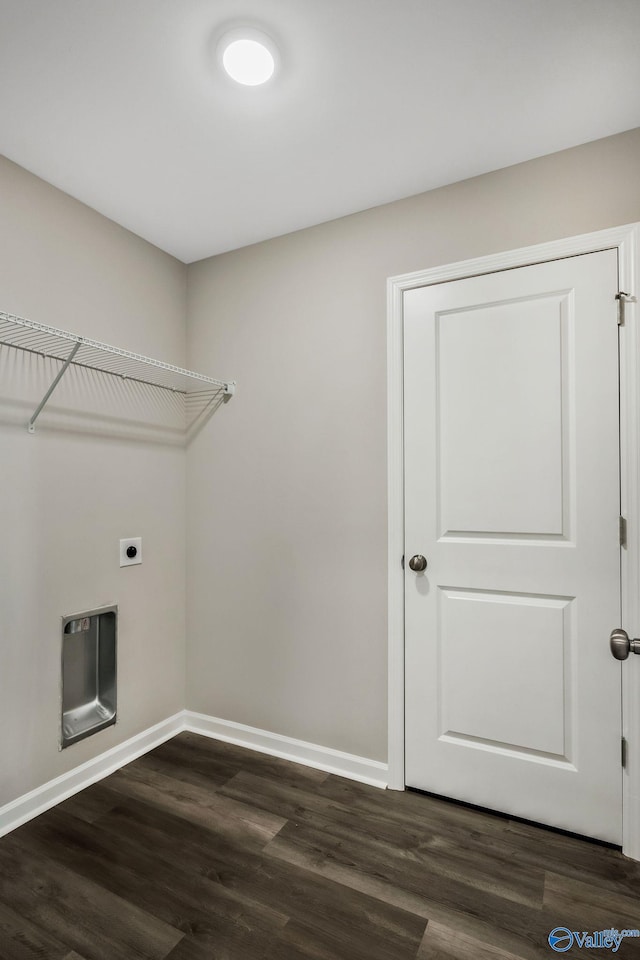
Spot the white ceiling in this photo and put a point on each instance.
(120, 103)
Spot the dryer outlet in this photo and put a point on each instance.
(130, 551)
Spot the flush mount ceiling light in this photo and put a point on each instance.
(248, 56)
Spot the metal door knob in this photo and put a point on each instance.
(418, 563)
(620, 644)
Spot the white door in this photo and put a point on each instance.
(512, 494)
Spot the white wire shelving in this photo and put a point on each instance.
(197, 393)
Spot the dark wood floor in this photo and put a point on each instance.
(203, 851)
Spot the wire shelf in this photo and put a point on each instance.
(197, 392)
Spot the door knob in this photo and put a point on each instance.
(620, 644)
(418, 563)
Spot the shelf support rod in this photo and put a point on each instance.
(55, 383)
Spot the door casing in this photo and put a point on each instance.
(626, 240)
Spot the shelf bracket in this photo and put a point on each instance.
(229, 390)
(60, 375)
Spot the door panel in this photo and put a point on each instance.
(513, 648)
(495, 401)
(512, 494)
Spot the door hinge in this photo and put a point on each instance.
(623, 751)
(623, 298)
(622, 531)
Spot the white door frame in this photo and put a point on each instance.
(626, 240)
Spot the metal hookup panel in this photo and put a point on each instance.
(89, 673)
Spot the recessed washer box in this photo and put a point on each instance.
(89, 677)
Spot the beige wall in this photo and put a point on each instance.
(69, 495)
(286, 486)
(287, 491)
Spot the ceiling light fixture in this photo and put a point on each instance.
(248, 56)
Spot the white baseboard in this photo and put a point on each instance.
(299, 751)
(31, 804)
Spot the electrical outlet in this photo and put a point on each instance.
(130, 551)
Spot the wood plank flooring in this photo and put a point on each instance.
(204, 851)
